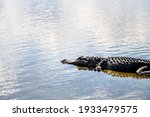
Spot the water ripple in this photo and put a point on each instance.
(35, 35)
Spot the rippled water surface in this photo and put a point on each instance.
(35, 35)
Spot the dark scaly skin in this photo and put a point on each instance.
(121, 64)
(84, 61)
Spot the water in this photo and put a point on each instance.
(35, 35)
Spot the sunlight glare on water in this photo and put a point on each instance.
(35, 35)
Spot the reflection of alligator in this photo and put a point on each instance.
(118, 74)
(121, 64)
(125, 74)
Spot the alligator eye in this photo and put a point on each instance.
(79, 58)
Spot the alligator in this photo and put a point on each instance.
(120, 64)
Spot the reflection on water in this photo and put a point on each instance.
(118, 74)
(35, 35)
(126, 75)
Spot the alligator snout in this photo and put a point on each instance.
(64, 61)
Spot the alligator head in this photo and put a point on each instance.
(84, 61)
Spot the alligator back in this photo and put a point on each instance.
(127, 60)
(124, 64)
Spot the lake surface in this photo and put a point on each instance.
(35, 35)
